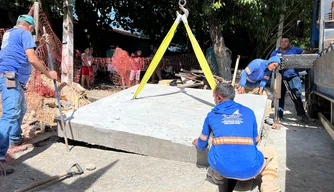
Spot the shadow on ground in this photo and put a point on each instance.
(25, 175)
(309, 158)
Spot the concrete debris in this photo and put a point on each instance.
(90, 167)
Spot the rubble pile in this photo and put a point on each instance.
(193, 79)
(42, 110)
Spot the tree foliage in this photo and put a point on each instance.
(251, 24)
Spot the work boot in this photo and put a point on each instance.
(5, 169)
(215, 177)
(305, 119)
(16, 143)
(280, 115)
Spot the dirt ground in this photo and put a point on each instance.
(305, 163)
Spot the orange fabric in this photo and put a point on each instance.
(233, 140)
(203, 137)
(248, 71)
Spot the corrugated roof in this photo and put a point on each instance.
(128, 33)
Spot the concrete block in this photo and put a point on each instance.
(162, 122)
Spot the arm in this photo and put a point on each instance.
(38, 64)
(255, 132)
(243, 79)
(264, 82)
(202, 142)
(299, 50)
(252, 66)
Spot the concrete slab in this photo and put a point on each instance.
(161, 122)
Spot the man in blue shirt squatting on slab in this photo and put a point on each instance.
(292, 78)
(16, 57)
(257, 74)
(233, 153)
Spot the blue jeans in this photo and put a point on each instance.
(296, 89)
(13, 110)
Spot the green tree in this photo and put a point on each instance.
(255, 22)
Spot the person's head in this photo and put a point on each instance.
(152, 47)
(91, 50)
(285, 43)
(223, 92)
(26, 22)
(87, 51)
(139, 53)
(273, 62)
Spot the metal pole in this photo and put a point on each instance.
(279, 37)
(36, 19)
(57, 96)
(277, 96)
(321, 27)
(235, 70)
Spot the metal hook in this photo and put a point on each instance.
(181, 6)
(184, 3)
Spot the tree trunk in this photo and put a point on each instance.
(222, 53)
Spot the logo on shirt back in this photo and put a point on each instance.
(235, 118)
(5, 40)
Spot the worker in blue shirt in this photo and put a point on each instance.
(233, 152)
(257, 73)
(17, 56)
(292, 78)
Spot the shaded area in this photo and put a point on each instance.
(305, 152)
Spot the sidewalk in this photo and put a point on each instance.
(306, 154)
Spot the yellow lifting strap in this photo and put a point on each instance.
(164, 45)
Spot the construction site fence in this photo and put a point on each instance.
(36, 84)
(186, 61)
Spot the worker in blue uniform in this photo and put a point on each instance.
(292, 78)
(257, 74)
(233, 152)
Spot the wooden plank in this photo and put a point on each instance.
(192, 85)
(235, 70)
(67, 51)
(328, 126)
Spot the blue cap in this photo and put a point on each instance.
(29, 19)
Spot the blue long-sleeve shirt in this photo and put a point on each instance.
(257, 71)
(288, 73)
(233, 153)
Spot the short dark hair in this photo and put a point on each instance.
(286, 37)
(225, 90)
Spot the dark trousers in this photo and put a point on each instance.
(296, 90)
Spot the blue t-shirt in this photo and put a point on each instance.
(288, 73)
(233, 153)
(257, 71)
(13, 56)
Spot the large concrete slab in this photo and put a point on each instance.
(161, 122)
